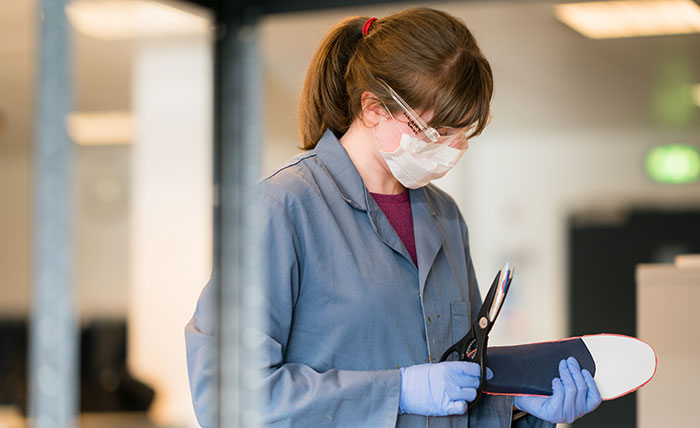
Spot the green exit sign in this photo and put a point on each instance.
(674, 163)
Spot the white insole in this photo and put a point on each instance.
(622, 363)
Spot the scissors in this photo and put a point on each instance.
(472, 347)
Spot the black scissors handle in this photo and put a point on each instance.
(472, 347)
(464, 348)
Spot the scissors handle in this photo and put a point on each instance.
(464, 348)
(472, 347)
(479, 356)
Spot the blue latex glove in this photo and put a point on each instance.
(574, 394)
(439, 389)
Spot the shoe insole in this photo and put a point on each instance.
(619, 365)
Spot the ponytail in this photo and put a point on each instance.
(324, 99)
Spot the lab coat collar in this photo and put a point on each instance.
(351, 187)
(341, 170)
(426, 231)
(428, 235)
(385, 230)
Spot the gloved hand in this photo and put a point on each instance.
(574, 394)
(439, 389)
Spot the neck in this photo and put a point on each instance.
(361, 146)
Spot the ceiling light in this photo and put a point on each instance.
(614, 19)
(130, 19)
(101, 128)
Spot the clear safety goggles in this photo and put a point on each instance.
(454, 137)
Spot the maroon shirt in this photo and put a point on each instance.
(397, 209)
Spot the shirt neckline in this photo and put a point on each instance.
(391, 199)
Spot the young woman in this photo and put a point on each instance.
(368, 276)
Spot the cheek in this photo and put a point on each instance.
(388, 138)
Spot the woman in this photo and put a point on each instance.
(368, 275)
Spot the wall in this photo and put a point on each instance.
(17, 64)
(517, 191)
(170, 246)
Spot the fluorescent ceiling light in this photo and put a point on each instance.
(614, 19)
(101, 128)
(130, 19)
(696, 94)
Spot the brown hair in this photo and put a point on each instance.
(429, 57)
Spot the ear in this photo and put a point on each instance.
(373, 110)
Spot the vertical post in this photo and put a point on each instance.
(53, 363)
(237, 268)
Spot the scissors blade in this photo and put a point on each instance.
(503, 285)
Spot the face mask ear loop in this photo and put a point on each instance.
(376, 143)
(374, 134)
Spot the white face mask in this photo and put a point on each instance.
(416, 163)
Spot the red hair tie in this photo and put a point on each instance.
(365, 28)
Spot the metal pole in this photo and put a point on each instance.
(53, 345)
(237, 235)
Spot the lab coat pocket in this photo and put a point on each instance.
(460, 319)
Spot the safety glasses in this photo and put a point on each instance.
(452, 137)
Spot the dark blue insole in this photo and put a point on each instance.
(529, 369)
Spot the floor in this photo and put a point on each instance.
(11, 418)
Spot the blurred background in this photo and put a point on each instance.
(590, 167)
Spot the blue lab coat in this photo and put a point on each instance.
(345, 304)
